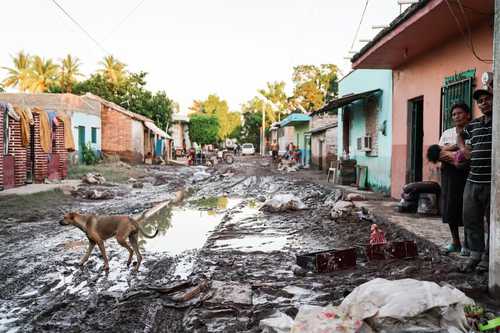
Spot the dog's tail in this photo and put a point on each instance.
(139, 227)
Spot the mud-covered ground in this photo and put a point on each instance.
(219, 263)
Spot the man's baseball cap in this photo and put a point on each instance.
(486, 90)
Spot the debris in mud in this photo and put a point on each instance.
(282, 203)
(137, 185)
(93, 179)
(355, 197)
(93, 194)
(328, 261)
(231, 292)
(408, 304)
(341, 208)
(278, 322)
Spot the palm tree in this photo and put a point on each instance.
(113, 70)
(44, 74)
(70, 70)
(20, 75)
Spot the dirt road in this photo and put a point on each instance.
(219, 264)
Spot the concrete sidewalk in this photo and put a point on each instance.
(65, 185)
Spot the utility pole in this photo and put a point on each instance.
(263, 143)
(494, 271)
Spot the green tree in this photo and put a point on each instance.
(275, 94)
(132, 95)
(314, 85)
(113, 70)
(44, 75)
(250, 130)
(19, 75)
(70, 71)
(203, 128)
(214, 105)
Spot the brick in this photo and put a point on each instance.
(17, 150)
(41, 158)
(59, 148)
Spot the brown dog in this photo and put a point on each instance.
(99, 228)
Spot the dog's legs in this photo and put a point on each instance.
(133, 240)
(105, 257)
(123, 242)
(89, 251)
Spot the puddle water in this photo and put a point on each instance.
(185, 228)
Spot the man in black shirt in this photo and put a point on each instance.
(477, 137)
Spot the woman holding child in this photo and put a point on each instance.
(453, 176)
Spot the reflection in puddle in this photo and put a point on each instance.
(185, 228)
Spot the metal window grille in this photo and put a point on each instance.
(456, 88)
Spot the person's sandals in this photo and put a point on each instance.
(465, 252)
(452, 248)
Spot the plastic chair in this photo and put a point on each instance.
(332, 171)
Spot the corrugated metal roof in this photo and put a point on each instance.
(344, 100)
(295, 118)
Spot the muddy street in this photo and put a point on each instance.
(221, 262)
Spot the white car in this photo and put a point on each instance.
(247, 149)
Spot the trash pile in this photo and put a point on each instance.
(93, 179)
(381, 305)
(282, 203)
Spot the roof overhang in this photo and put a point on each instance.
(156, 130)
(295, 119)
(420, 28)
(347, 99)
(318, 130)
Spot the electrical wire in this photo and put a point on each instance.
(112, 31)
(80, 26)
(467, 34)
(359, 25)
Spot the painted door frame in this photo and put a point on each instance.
(415, 140)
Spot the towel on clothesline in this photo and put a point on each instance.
(69, 142)
(26, 119)
(45, 130)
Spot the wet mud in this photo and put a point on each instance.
(219, 263)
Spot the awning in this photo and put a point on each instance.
(345, 100)
(295, 118)
(156, 130)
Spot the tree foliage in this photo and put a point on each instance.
(250, 130)
(315, 85)
(19, 75)
(214, 105)
(70, 71)
(203, 128)
(275, 95)
(131, 94)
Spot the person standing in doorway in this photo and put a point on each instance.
(477, 138)
(453, 177)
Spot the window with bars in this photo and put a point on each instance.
(456, 88)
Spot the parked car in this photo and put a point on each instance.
(247, 149)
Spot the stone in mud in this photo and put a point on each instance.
(261, 198)
(355, 197)
(231, 292)
(137, 185)
(299, 271)
(93, 179)
(131, 180)
(341, 208)
(99, 195)
(160, 180)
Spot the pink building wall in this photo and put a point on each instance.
(424, 76)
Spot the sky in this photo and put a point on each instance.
(192, 48)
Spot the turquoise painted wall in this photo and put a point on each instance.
(300, 131)
(379, 167)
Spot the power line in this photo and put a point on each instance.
(80, 26)
(359, 26)
(112, 31)
(466, 33)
